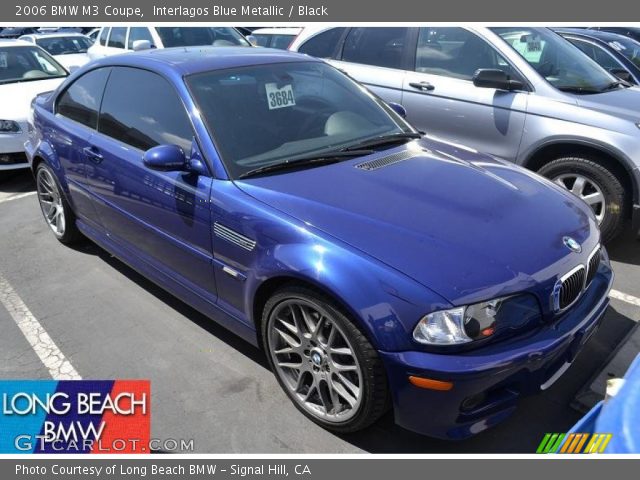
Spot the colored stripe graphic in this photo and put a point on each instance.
(74, 423)
(75, 416)
(136, 426)
(574, 443)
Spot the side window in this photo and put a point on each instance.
(81, 101)
(132, 113)
(117, 37)
(104, 33)
(379, 46)
(455, 52)
(324, 44)
(139, 33)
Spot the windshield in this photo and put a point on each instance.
(64, 45)
(269, 114)
(280, 41)
(195, 36)
(627, 47)
(21, 64)
(562, 64)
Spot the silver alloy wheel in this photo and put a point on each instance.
(50, 201)
(315, 360)
(587, 190)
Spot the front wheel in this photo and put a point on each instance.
(55, 208)
(326, 366)
(598, 186)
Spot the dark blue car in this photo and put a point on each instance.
(377, 267)
(618, 54)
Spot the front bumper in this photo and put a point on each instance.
(12, 155)
(487, 382)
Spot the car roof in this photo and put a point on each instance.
(189, 60)
(277, 31)
(594, 34)
(13, 42)
(54, 34)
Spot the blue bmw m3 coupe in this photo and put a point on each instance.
(377, 267)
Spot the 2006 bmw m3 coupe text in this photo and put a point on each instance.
(376, 266)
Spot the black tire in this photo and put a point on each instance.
(615, 197)
(71, 234)
(375, 399)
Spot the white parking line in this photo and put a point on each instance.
(59, 367)
(16, 197)
(625, 297)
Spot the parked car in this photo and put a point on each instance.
(631, 32)
(372, 264)
(15, 32)
(93, 35)
(618, 54)
(114, 40)
(280, 37)
(480, 86)
(25, 71)
(70, 49)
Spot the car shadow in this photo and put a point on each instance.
(625, 248)
(16, 181)
(87, 247)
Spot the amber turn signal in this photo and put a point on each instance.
(430, 383)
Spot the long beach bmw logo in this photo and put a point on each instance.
(571, 244)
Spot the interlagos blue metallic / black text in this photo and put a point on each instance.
(376, 266)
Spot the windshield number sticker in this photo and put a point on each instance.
(279, 97)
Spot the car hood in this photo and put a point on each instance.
(464, 225)
(16, 97)
(622, 103)
(72, 60)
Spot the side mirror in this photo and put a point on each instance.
(139, 45)
(622, 74)
(166, 158)
(495, 78)
(399, 109)
(252, 40)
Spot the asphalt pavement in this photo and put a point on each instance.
(209, 385)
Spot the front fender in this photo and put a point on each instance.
(385, 303)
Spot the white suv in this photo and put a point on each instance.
(114, 40)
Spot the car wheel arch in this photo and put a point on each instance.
(548, 152)
(268, 287)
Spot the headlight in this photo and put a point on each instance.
(9, 126)
(495, 318)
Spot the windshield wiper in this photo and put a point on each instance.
(383, 140)
(578, 89)
(617, 83)
(306, 161)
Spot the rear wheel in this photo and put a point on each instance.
(598, 186)
(55, 208)
(322, 361)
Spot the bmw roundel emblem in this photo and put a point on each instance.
(571, 244)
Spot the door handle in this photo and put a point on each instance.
(92, 154)
(423, 86)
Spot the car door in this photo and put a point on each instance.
(162, 217)
(376, 57)
(441, 99)
(117, 41)
(76, 112)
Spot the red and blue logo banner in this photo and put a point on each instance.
(75, 416)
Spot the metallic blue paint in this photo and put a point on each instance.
(446, 227)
